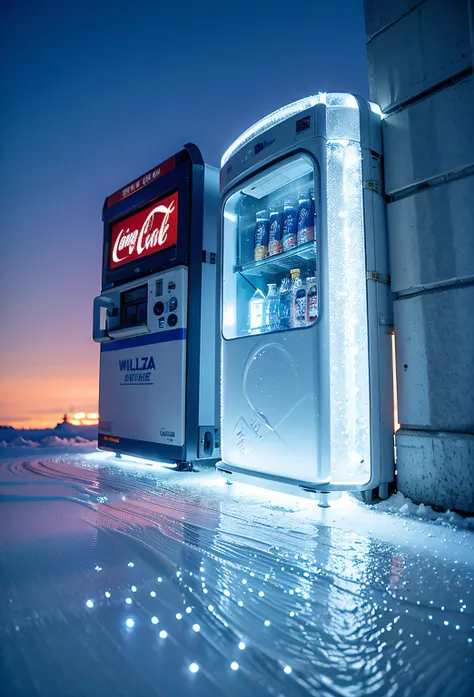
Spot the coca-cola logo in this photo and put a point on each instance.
(150, 230)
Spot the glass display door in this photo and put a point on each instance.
(270, 260)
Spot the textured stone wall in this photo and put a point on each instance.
(420, 57)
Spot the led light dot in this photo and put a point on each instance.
(131, 564)
(129, 622)
(204, 590)
(163, 634)
(227, 593)
(193, 667)
(234, 665)
(153, 594)
(179, 616)
(241, 645)
(196, 628)
(287, 670)
(128, 601)
(267, 623)
(159, 579)
(240, 603)
(133, 589)
(154, 620)
(292, 614)
(261, 593)
(89, 603)
(244, 581)
(107, 594)
(210, 608)
(189, 610)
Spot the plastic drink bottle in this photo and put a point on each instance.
(285, 304)
(256, 312)
(272, 308)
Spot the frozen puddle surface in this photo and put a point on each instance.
(126, 580)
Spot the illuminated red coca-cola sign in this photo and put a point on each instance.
(151, 230)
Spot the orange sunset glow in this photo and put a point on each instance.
(41, 381)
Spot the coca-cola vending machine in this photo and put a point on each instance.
(155, 318)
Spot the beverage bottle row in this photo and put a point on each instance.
(294, 304)
(279, 229)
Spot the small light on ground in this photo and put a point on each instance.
(196, 628)
(194, 667)
(154, 620)
(241, 645)
(287, 670)
(89, 603)
(129, 622)
(163, 634)
(234, 665)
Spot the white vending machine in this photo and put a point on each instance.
(156, 316)
(306, 318)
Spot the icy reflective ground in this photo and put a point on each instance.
(119, 580)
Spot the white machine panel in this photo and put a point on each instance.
(143, 369)
(306, 311)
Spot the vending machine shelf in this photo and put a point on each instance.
(280, 263)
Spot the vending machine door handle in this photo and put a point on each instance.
(99, 334)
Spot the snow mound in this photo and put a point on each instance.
(49, 441)
(402, 505)
(19, 442)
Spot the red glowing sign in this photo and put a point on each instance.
(151, 230)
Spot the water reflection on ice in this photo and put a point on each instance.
(215, 590)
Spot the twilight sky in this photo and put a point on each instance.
(96, 93)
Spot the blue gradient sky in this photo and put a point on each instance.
(95, 94)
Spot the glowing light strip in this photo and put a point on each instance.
(348, 336)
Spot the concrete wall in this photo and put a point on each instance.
(420, 58)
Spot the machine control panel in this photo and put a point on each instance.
(158, 303)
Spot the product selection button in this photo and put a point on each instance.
(172, 304)
(158, 308)
(172, 320)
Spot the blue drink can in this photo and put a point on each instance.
(275, 244)
(290, 215)
(260, 250)
(305, 218)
